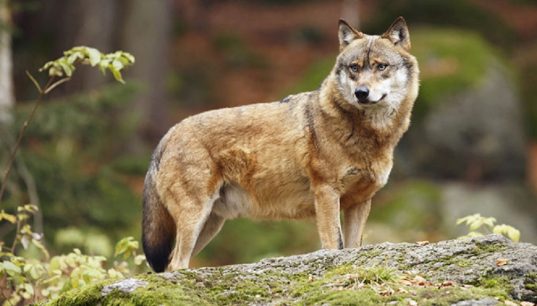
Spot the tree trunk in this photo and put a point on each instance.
(145, 34)
(7, 97)
(90, 23)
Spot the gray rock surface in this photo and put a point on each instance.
(478, 271)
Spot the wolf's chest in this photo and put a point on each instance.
(360, 179)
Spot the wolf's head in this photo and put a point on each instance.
(374, 71)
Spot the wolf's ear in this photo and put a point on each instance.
(347, 34)
(398, 33)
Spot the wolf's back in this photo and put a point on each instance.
(158, 228)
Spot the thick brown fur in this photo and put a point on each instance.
(311, 155)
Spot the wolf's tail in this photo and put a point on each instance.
(158, 228)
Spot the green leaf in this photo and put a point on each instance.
(126, 247)
(468, 219)
(8, 217)
(94, 56)
(67, 68)
(10, 268)
(66, 65)
(30, 208)
(41, 247)
(26, 291)
(508, 231)
(117, 65)
(117, 75)
(139, 259)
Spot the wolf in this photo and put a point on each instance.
(313, 154)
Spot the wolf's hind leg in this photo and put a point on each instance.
(212, 226)
(190, 216)
(354, 223)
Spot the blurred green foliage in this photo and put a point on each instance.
(450, 61)
(236, 52)
(313, 77)
(409, 206)
(75, 152)
(527, 79)
(30, 279)
(460, 14)
(479, 226)
(243, 240)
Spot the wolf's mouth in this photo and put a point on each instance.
(370, 102)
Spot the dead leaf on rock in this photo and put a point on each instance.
(447, 284)
(501, 262)
(420, 281)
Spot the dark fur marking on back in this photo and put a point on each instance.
(311, 125)
(156, 157)
(286, 99)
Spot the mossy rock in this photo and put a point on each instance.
(443, 273)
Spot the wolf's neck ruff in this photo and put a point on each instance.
(381, 124)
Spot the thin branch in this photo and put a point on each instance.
(50, 85)
(17, 234)
(36, 83)
(54, 85)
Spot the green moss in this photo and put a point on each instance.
(87, 295)
(162, 291)
(498, 286)
(530, 282)
(463, 263)
(159, 291)
(343, 297)
(377, 274)
(483, 248)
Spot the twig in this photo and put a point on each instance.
(17, 234)
(42, 92)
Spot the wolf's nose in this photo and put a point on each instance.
(362, 93)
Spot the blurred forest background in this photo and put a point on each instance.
(472, 146)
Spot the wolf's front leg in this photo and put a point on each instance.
(327, 216)
(354, 223)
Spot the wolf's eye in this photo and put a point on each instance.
(382, 67)
(354, 67)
